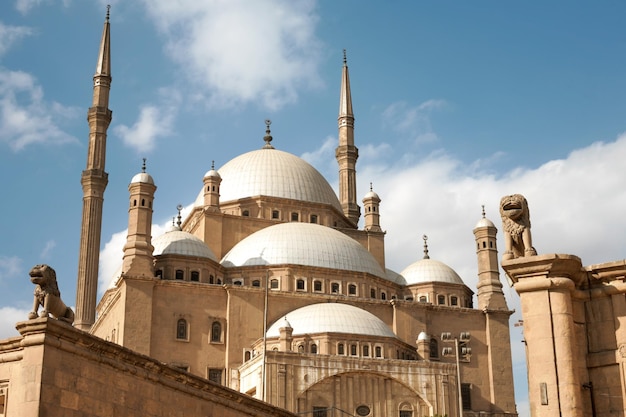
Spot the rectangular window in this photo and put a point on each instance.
(295, 217)
(275, 214)
(353, 350)
(441, 299)
(466, 397)
(3, 399)
(317, 286)
(215, 375)
(454, 301)
(319, 412)
(274, 284)
(313, 218)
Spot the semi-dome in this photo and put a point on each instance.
(331, 318)
(305, 244)
(429, 270)
(177, 242)
(273, 173)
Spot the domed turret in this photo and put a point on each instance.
(429, 270)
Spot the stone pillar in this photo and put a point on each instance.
(545, 284)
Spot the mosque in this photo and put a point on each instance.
(276, 287)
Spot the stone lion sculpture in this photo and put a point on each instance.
(47, 295)
(516, 224)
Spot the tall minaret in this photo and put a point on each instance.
(346, 153)
(94, 180)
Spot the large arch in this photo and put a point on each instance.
(380, 392)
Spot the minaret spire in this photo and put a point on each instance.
(94, 181)
(346, 153)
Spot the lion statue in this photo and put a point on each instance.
(47, 295)
(516, 224)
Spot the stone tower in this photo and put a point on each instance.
(212, 181)
(346, 153)
(493, 305)
(371, 207)
(138, 259)
(94, 181)
(490, 295)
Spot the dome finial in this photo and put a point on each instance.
(143, 166)
(483, 206)
(371, 188)
(179, 217)
(108, 12)
(425, 247)
(213, 164)
(345, 58)
(268, 137)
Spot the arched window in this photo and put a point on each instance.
(275, 214)
(434, 348)
(373, 293)
(180, 274)
(246, 356)
(295, 217)
(334, 287)
(300, 348)
(441, 299)
(313, 218)
(352, 289)
(340, 349)
(353, 350)
(314, 348)
(300, 284)
(195, 276)
(246, 213)
(454, 300)
(379, 352)
(143, 202)
(383, 295)
(256, 283)
(238, 282)
(317, 285)
(366, 350)
(423, 299)
(211, 279)
(159, 274)
(216, 332)
(274, 284)
(181, 329)
(219, 281)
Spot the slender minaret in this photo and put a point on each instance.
(138, 259)
(94, 180)
(346, 153)
(490, 295)
(212, 181)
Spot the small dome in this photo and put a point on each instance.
(422, 336)
(142, 177)
(212, 173)
(305, 244)
(371, 194)
(484, 222)
(177, 242)
(273, 173)
(429, 270)
(332, 318)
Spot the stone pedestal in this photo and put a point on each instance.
(545, 284)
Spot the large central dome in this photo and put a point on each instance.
(273, 173)
(303, 244)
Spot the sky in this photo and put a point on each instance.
(456, 105)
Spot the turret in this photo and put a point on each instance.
(212, 181)
(138, 258)
(346, 153)
(94, 181)
(490, 295)
(371, 206)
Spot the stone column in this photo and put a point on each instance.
(545, 284)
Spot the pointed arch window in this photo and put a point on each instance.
(216, 332)
(182, 330)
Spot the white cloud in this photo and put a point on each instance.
(154, 122)
(47, 250)
(25, 117)
(10, 267)
(9, 316)
(11, 34)
(25, 6)
(413, 121)
(241, 52)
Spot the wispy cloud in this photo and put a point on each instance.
(10, 267)
(413, 121)
(26, 118)
(25, 6)
(11, 34)
(47, 250)
(265, 51)
(154, 121)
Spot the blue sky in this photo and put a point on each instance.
(456, 104)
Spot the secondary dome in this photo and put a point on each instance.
(177, 242)
(429, 270)
(273, 173)
(303, 244)
(331, 318)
